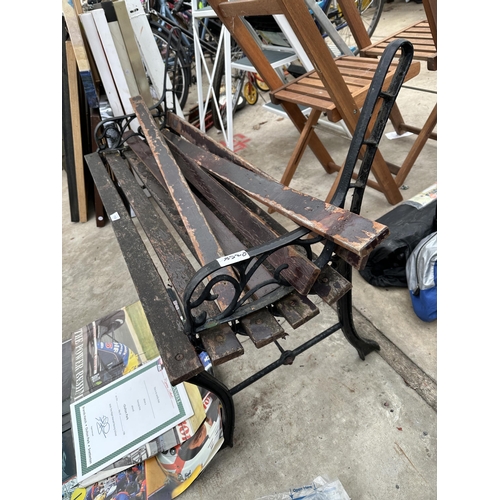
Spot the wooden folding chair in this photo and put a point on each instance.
(337, 86)
(423, 36)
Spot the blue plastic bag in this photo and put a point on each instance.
(421, 274)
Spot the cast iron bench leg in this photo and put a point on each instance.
(210, 383)
(344, 308)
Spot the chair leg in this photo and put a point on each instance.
(397, 120)
(305, 138)
(317, 147)
(300, 147)
(415, 150)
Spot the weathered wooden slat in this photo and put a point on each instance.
(251, 8)
(265, 317)
(230, 244)
(196, 136)
(228, 347)
(179, 356)
(301, 273)
(161, 196)
(296, 309)
(351, 258)
(331, 285)
(206, 246)
(348, 230)
(173, 260)
(261, 330)
(221, 344)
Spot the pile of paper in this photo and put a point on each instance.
(129, 428)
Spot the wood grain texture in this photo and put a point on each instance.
(353, 232)
(178, 355)
(74, 100)
(80, 52)
(301, 272)
(176, 265)
(205, 244)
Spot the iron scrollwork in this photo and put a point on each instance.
(236, 270)
(112, 133)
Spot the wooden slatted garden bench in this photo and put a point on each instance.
(242, 268)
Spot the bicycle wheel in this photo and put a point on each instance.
(250, 93)
(220, 99)
(179, 69)
(370, 11)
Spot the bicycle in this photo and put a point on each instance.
(171, 25)
(370, 12)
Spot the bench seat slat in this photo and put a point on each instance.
(178, 354)
(348, 230)
(206, 245)
(173, 260)
(301, 273)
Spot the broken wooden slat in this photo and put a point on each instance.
(204, 241)
(353, 232)
(296, 316)
(329, 285)
(173, 260)
(178, 355)
(351, 258)
(301, 272)
(206, 246)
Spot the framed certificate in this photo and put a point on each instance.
(124, 415)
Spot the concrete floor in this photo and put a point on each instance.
(372, 423)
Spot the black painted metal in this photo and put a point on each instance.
(286, 358)
(371, 142)
(112, 133)
(344, 305)
(256, 256)
(248, 263)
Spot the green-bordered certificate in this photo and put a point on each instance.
(124, 415)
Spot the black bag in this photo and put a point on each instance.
(408, 223)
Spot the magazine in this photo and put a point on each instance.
(166, 475)
(113, 346)
(104, 351)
